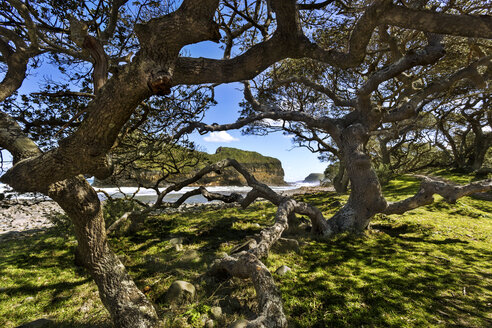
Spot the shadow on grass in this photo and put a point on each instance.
(58, 288)
(47, 323)
(401, 230)
(389, 281)
(203, 234)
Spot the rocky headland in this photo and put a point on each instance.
(266, 169)
(314, 177)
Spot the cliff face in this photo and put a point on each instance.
(265, 169)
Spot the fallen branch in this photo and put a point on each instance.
(320, 225)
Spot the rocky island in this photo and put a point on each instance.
(266, 169)
(314, 177)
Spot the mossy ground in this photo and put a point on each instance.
(431, 267)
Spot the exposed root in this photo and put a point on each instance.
(319, 223)
(247, 264)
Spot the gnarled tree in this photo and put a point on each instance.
(134, 57)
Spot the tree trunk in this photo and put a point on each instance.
(385, 154)
(480, 148)
(127, 305)
(478, 159)
(365, 198)
(341, 180)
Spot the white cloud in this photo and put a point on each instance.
(221, 136)
(270, 122)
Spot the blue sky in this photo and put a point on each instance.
(296, 162)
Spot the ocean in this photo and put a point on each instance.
(149, 195)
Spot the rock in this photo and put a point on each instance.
(241, 323)
(180, 292)
(203, 320)
(284, 245)
(256, 225)
(40, 323)
(176, 241)
(283, 270)
(209, 324)
(216, 312)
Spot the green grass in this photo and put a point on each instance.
(458, 177)
(431, 267)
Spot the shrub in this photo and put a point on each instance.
(115, 208)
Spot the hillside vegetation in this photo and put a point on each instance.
(431, 267)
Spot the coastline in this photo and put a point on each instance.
(23, 216)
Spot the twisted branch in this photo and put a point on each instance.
(431, 186)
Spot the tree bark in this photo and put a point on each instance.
(247, 264)
(341, 180)
(127, 305)
(365, 198)
(481, 145)
(385, 154)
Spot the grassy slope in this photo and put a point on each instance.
(431, 267)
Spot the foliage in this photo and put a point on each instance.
(116, 207)
(357, 70)
(384, 173)
(61, 223)
(331, 171)
(242, 156)
(175, 162)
